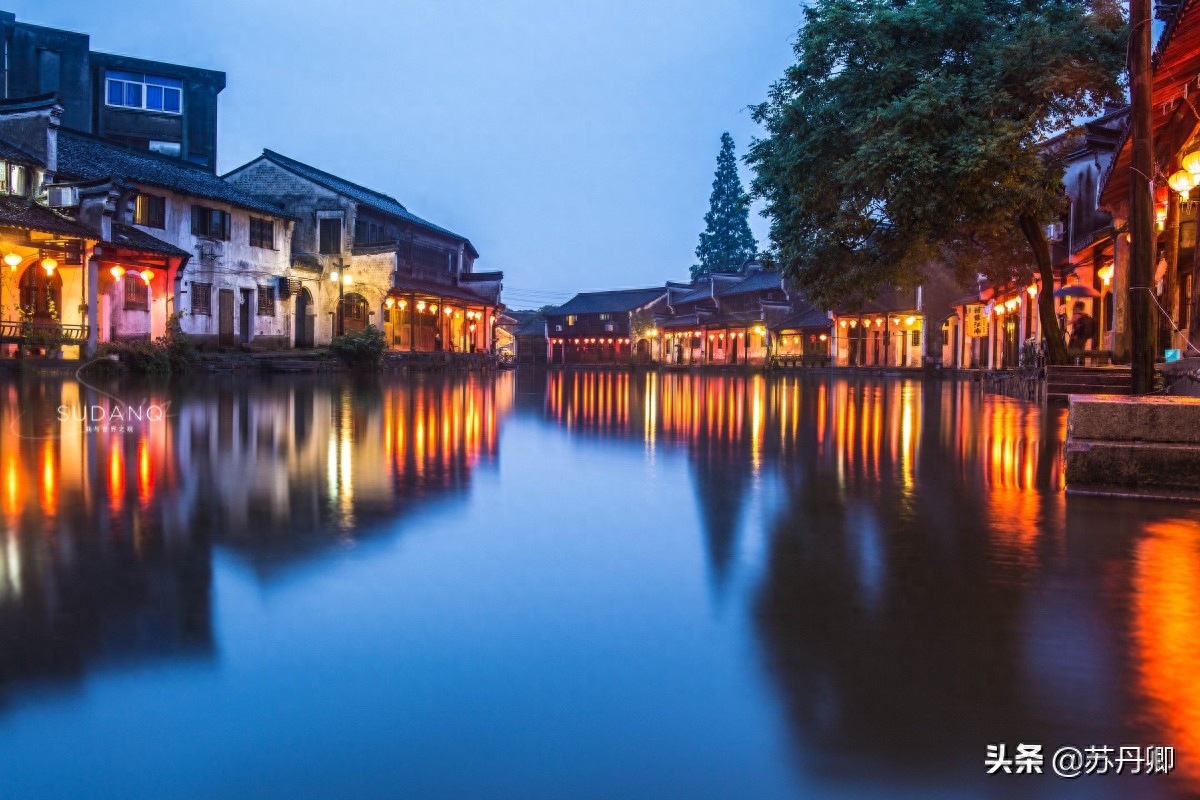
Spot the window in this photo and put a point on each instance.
(572, 319)
(367, 232)
(914, 338)
(604, 317)
(266, 301)
(262, 233)
(137, 294)
(210, 223)
(330, 236)
(201, 298)
(145, 92)
(16, 179)
(174, 149)
(150, 211)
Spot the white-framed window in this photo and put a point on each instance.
(605, 317)
(572, 319)
(142, 91)
(166, 148)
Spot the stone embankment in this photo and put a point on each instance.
(1134, 446)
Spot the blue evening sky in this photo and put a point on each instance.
(573, 142)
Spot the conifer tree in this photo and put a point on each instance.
(727, 241)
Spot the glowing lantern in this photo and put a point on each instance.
(449, 311)
(879, 321)
(999, 309)
(1011, 305)
(433, 308)
(13, 260)
(1105, 274)
(823, 337)
(403, 304)
(1032, 290)
(389, 302)
(420, 305)
(1191, 162)
(117, 272)
(1181, 181)
(147, 276)
(49, 265)
(910, 320)
(842, 323)
(853, 323)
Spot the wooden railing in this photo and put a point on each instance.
(41, 333)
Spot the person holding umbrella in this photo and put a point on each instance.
(1083, 327)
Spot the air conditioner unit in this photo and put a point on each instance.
(1054, 232)
(62, 196)
(211, 249)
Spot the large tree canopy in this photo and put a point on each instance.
(727, 240)
(912, 131)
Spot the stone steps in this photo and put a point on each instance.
(1063, 381)
(1143, 446)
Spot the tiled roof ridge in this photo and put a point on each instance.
(276, 156)
(137, 151)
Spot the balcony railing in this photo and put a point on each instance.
(44, 334)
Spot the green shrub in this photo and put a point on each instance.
(141, 357)
(181, 351)
(362, 349)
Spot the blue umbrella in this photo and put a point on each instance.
(1076, 290)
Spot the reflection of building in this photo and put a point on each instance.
(106, 537)
(90, 575)
(366, 259)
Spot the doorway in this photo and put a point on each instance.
(305, 320)
(225, 323)
(244, 316)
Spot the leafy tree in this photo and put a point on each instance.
(727, 241)
(910, 132)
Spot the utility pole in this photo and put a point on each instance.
(1141, 201)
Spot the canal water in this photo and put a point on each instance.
(575, 585)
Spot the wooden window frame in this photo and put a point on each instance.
(202, 307)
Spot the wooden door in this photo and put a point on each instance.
(225, 323)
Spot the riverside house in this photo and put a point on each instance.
(615, 327)
(232, 283)
(362, 258)
(724, 318)
(60, 243)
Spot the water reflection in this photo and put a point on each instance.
(928, 588)
(912, 579)
(106, 538)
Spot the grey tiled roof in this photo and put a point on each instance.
(18, 213)
(534, 327)
(131, 237)
(610, 302)
(754, 282)
(804, 318)
(699, 294)
(85, 157)
(369, 197)
(10, 152)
